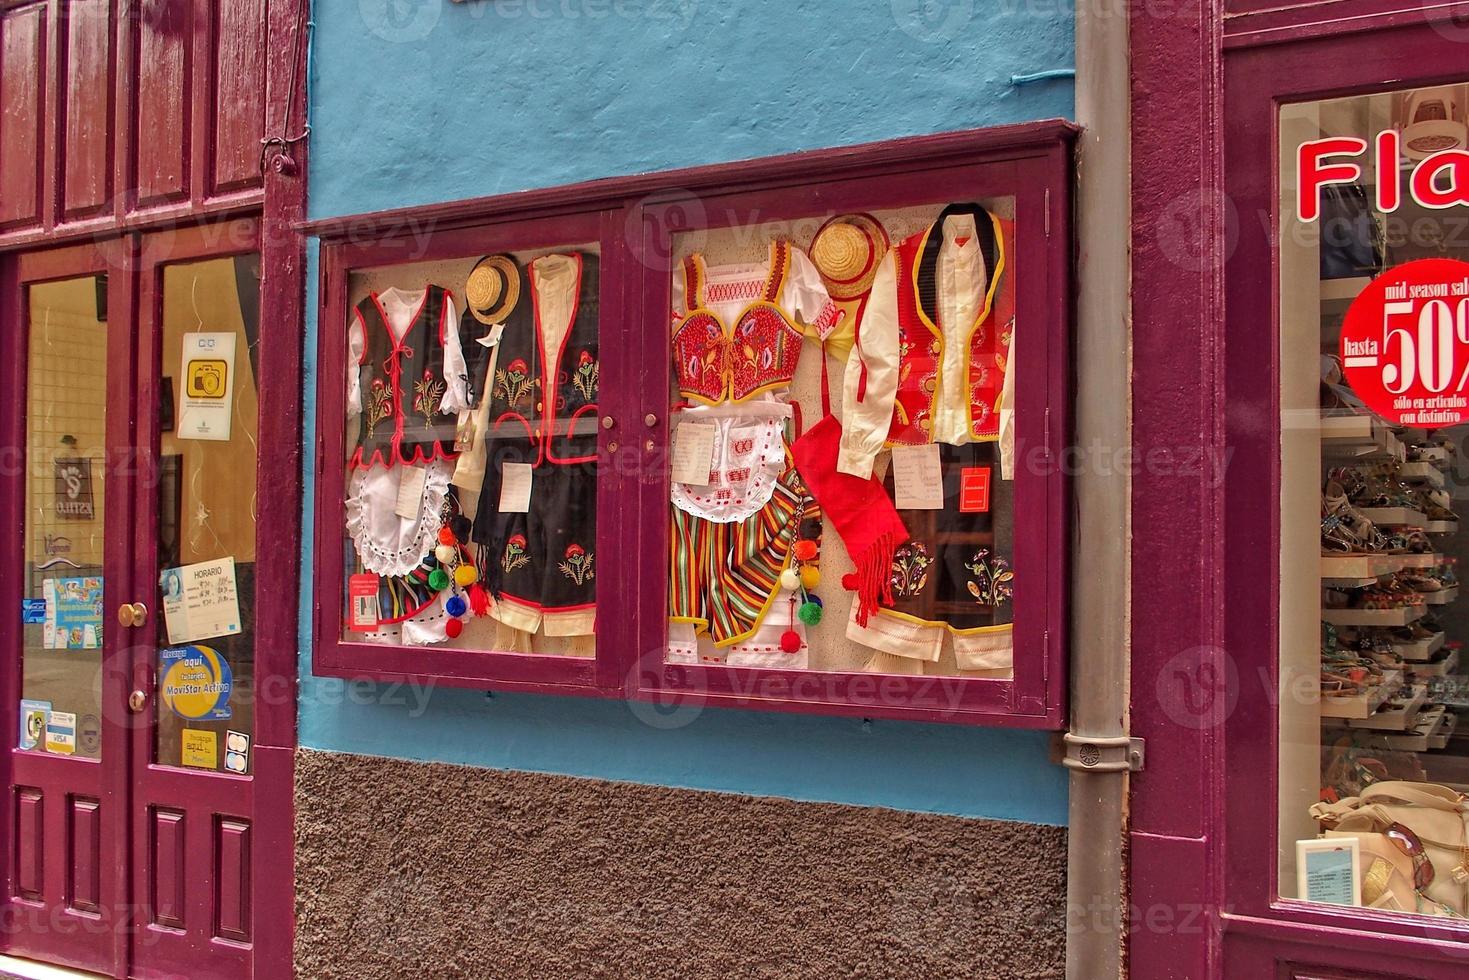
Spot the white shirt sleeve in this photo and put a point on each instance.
(456, 372)
(356, 344)
(867, 407)
(804, 294)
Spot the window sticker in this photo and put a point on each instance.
(208, 383)
(195, 682)
(33, 717)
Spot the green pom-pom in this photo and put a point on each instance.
(438, 579)
(809, 613)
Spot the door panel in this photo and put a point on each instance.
(194, 565)
(62, 570)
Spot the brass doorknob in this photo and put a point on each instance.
(137, 700)
(132, 614)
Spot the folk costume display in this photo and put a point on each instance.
(748, 540)
(407, 383)
(539, 559)
(931, 366)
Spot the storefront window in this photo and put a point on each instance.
(843, 443)
(1374, 357)
(471, 452)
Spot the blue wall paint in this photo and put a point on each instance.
(451, 101)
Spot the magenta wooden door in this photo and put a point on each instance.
(66, 500)
(130, 584)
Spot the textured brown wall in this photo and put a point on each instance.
(418, 869)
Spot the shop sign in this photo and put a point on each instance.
(1438, 181)
(74, 489)
(1405, 344)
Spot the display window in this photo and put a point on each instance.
(796, 444)
(1374, 355)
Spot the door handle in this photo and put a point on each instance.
(132, 614)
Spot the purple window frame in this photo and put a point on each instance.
(1403, 57)
(1029, 162)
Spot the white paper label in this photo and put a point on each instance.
(515, 488)
(918, 480)
(199, 601)
(410, 492)
(207, 386)
(693, 453)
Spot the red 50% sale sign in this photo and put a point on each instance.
(1405, 344)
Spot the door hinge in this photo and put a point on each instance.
(1120, 753)
(1048, 212)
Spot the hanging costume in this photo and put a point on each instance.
(736, 344)
(932, 366)
(541, 564)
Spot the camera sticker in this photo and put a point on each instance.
(208, 372)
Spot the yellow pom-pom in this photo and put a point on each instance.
(465, 576)
(810, 577)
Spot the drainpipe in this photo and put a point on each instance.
(1097, 750)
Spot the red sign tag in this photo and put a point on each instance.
(362, 611)
(1405, 344)
(974, 490)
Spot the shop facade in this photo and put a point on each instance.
(836, 498)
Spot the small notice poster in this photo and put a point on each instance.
(692, 459)
(73, 613)
(918, 480)
(199, 749)
(515, 486)
(199, 601)
(33, 717)
(61, 733)
(363, 612)
(208, 372)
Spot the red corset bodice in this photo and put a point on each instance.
(716, 363)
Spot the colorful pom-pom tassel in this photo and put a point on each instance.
(445, 553)
(461, 527)
(810, 577)
(790, 580)
(814, 598)
(446, 536)
(453, 628)
(456, 606)
(810, 613)
(438, 580)
(805, 550)
(465, 576)
(790, 641)
(850, 581)
(479, 600)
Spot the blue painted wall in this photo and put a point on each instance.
(415, 101)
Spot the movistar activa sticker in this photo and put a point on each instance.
(195, 682)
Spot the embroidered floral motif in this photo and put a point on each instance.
(513, 383)
(428, 394)
(993, 581)
(515, 555)
(379, 404)
(578, 564)
(910, 569)
(585, 378)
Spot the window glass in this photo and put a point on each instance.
(207, 503)
(66, 484)
(1373, 474)
(842, 449)
(472, 426)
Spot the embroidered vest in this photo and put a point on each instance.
(715, 363)
(402, 384)
(547, 399)
(921, 341)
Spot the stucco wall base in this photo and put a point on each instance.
(427, 869)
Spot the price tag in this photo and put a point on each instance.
(410, 492)
(974, 490)
(1405, 344)
(362, 603)
(918, 480)
(693, 453)
(515, 484)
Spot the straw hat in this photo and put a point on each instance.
(847, 251)
(493, 289)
